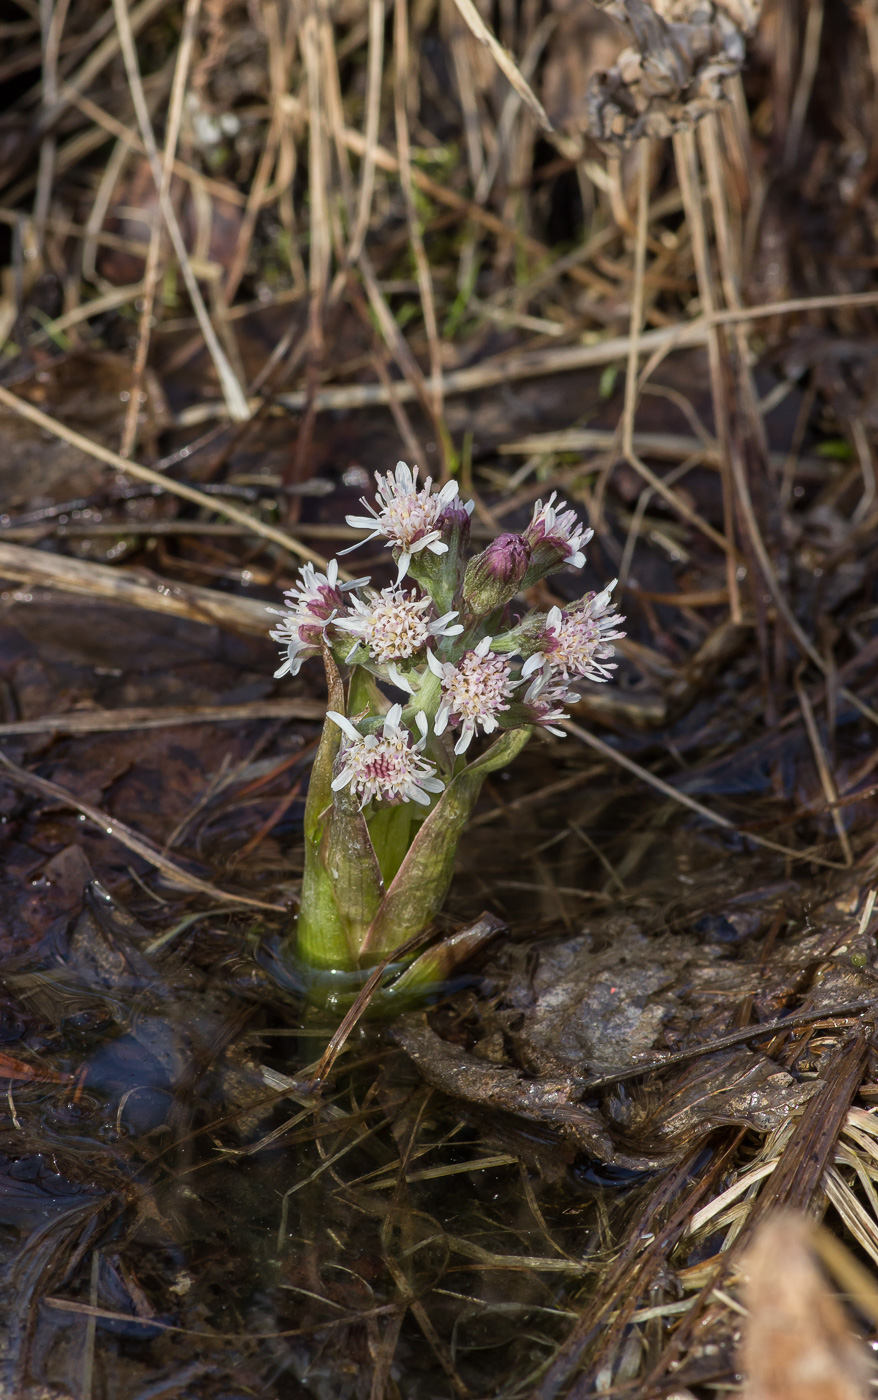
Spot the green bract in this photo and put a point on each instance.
(416, 673)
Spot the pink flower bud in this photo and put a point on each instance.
(494, 576)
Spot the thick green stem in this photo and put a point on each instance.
(419, 890)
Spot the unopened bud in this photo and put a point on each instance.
(495, 575)
(454, 522)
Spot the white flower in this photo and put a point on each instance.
(394, 626)
(313, 603)
(546, 697)
(554, 530)
(577, 642)
(408, 516)
(474, 692)
(389, 768)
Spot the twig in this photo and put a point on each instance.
(671, 447)
(766, 1031)
(622, 759)
(97, 61)
(150, 278)
(148, 717)
(175, 488)
(126, 836)
(370, 136)
(268, 153)
(136, 589)
(416, 242)
(504, 61)
(233, 394)
(686, 155)
(827, 782)
(52, 19)
(644, 153)
(527, 364)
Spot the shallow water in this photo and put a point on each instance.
(182, 1215)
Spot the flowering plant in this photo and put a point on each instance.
(394, 781)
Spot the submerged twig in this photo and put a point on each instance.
(622, 759)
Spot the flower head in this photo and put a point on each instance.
(494, 576)
(314, 602)
(474, 692)
(545, 699)
(408, 516)
(555, 537)
(577, 642)
(390, 768)
(394, 626)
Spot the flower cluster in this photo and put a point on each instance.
(395, 626)
(390, 768)
(474, 692)
(313, 604)
(465, 670)
(410, 518)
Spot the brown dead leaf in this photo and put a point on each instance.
(797, 1344)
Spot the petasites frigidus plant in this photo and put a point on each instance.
(395, 780)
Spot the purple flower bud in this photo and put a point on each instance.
(454, 522)
(495, 575)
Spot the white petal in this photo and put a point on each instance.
(484, 646)
(414, 794)
(465, 739)
(434, 546)
(376, 534)
(404, 560)
(432, 784)
(533, 663)
(435, 664)
(448, 493)
(392, 718)
(553, 619)
(345, 724)
(422, 722)
(283, 669)
(440, 723)
(397, 679)
(469, 507)
(341, 780)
